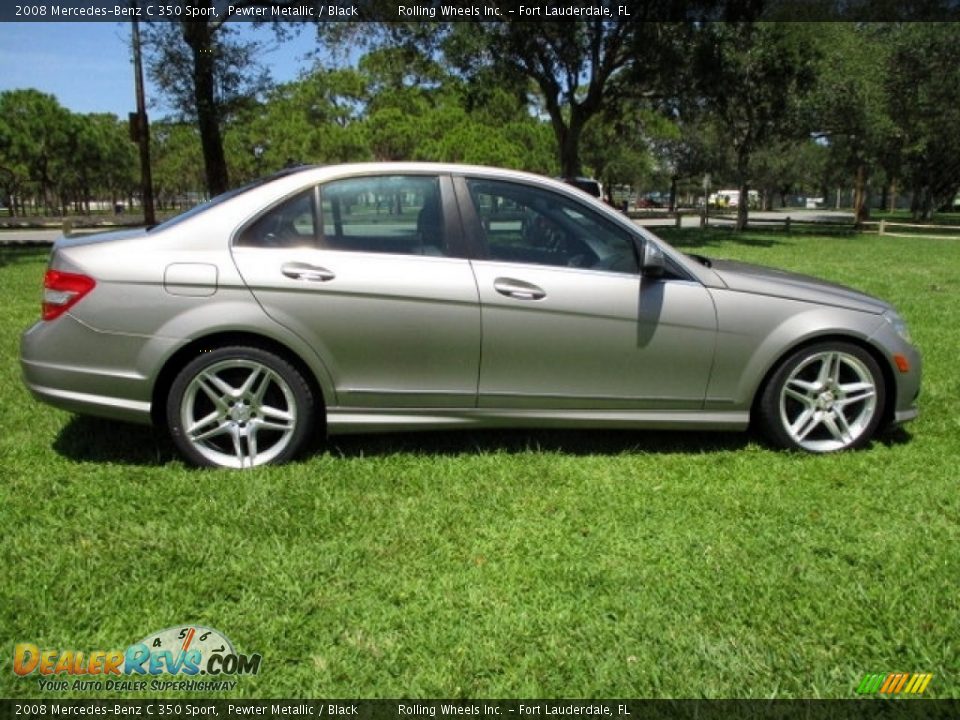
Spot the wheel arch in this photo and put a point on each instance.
(889, 377)
(178, 360)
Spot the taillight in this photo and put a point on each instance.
(61, 291)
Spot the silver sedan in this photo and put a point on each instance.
(383, 297)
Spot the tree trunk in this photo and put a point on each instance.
(198, 37)
(742, 209)
(743, 159)
(861, 205)
(673, 193)
(569, 146)
(922, 203)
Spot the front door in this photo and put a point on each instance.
(568, 322)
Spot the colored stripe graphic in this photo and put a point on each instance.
(870, 683)
(890, 682)
(894, 683)
(927, 677)
(189, 639)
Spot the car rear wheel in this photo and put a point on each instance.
(823, 398)
(240, 407)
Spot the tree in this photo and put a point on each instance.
(206, 70)
(923, 94)
(615, 148)
(418, 110)
(789, 167)
(177, 168)
(753, 76)
(58, 156)
(697, 147)
(571, 70)
(35, 135)
(579, 68)
(102, 161)
(314, 119)
(849, 105)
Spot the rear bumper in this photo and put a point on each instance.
(72, 366)
(88, 404)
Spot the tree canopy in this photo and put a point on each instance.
(782, 108)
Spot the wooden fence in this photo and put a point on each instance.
(886, 227)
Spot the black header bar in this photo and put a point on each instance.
(307, 11)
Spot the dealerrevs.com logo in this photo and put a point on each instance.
(185, 652)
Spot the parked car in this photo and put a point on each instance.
(383, 297)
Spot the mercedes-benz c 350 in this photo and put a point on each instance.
(384, 297)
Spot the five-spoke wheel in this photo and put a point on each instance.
(240, 407)
(823, 398)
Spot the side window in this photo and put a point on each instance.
(289, 224)
(531, 225)
(384, 214)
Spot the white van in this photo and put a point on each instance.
(731, 198)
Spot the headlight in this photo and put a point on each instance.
(899, 325)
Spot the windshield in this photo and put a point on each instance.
(223, 197)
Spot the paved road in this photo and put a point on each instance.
(16, 235)
(45, 236)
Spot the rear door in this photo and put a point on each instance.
(371, 272)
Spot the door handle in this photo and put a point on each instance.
(518, 289)
(303, 271)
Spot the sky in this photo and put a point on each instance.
(87, 65)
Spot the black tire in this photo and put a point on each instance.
(240, 406)
(825, 397)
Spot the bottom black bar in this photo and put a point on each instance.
(863, 709)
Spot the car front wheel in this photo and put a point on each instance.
(240, 407)
(823, 398)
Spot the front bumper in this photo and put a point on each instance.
(906, 384)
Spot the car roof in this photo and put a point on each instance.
(324, 171)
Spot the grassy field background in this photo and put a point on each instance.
(501, 564)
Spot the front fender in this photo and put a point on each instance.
(755, 332)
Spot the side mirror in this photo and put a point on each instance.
(654, 264)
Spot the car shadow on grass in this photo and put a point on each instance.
(894, 436)
(562, 442)
(696, 238)
(88, 439)
(94, 440)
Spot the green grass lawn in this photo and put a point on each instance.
(510, 564)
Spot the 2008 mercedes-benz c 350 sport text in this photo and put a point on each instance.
(404, 296)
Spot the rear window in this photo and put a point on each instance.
(223, 197)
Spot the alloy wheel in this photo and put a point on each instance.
(828, 401)
(238, 413)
